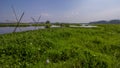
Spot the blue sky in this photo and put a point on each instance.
(73, 11)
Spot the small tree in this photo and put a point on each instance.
(47, 24)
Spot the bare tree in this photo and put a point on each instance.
(17, 19)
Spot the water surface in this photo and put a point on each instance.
(4, 30)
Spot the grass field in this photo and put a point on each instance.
(62, 48)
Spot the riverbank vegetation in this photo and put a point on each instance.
(20, 25)
(62, 48)
(14, 24)
(37, 24)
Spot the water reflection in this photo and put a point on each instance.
(4, 30)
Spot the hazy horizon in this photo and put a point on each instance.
(72, 11)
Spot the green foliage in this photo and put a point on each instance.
(64, 25)
(48, 25)
(47, 22)
(63, 47)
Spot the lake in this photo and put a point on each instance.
(5, 30)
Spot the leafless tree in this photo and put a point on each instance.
(17, 19)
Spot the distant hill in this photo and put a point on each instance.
(106, 22)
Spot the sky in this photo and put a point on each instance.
(69, 11)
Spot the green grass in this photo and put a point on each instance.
(64, 47)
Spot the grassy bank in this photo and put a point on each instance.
(62, 48)
(13, 24)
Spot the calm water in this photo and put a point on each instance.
(4, 30)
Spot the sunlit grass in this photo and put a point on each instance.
(62, 48)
